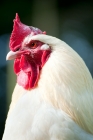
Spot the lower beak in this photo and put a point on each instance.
(12, 55)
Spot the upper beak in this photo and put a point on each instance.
(12, 55)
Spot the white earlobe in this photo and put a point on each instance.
(45, 47)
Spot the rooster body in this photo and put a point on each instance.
(31, 118)
(59, 107)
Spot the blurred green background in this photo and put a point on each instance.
(71, 21)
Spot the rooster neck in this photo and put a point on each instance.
(67, 84)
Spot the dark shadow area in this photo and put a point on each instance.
(2, 98)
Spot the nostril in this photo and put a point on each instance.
(17, 49)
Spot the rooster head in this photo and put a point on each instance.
(29, 55)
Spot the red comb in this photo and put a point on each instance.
(20, 31)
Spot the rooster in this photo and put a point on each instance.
(53, 97)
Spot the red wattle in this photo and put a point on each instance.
(23, 79)
(24, 64)
(27, 72)
(17, 65)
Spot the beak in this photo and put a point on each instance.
(12, 55)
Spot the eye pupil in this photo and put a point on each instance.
(33, 44)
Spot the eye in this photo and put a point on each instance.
(32, 45)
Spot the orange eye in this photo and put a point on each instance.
(33, 45)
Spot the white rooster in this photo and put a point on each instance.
(53, 97)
